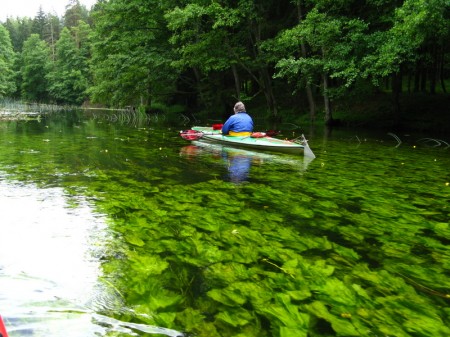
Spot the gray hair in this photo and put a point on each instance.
(239, 107)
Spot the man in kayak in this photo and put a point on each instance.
(240, 124)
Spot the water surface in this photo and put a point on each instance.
(116, 228)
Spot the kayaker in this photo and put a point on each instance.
(240, 124)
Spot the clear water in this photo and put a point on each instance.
(116, 228)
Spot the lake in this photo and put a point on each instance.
(117, 227)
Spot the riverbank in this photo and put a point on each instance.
(15, 115)
(418, 112)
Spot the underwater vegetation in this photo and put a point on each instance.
(356, 245)
(284, 257)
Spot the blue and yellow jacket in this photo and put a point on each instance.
(240, 122)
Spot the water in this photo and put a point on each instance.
(47, 269)
(113, 228)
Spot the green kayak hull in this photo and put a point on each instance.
(263, 144)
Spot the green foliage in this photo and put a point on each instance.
(35, 67)
(129, 44)
(69, 79)
(7, 83)
(75, 12)
(19, 30)
(414, 23)
(204, 55)
(336, 45)
(199, 34)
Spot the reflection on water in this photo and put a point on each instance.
(50, 280)
(239, 161)
(47, 269)
(238, 166)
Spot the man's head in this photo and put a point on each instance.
(239, 107)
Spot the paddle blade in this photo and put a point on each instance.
(191, 134)
(307, 150)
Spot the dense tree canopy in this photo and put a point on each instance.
(7, 83)
(207, 54)
(69, 79)
(131, 55)
(34, 69)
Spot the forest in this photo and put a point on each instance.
(290, 59)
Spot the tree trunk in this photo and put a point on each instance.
(52, 42)
(396, 91)
(199, 86)
(417, 73)
(326, 99)
(265, 80)
(441, 69)
(409, 82)
(237, 82)
(423, 80)
(434, 70)
(311, 103)
(309, 92)
(268, 92)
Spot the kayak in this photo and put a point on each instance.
(200, 148)
(257, 141)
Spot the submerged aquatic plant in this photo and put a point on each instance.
(356, 246)
(188, 264)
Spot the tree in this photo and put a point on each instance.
(131, 55)
(418, 27)
(35, 66)
(19, 30)
(51, 32)
(39, 23)
(69, 79)
(202, 43)
(226, 37)
(286, 45)
(308, 86)
(335, 45)
(75, 12)
(7, 82)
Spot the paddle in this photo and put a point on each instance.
(307, 150)
(194, 134)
